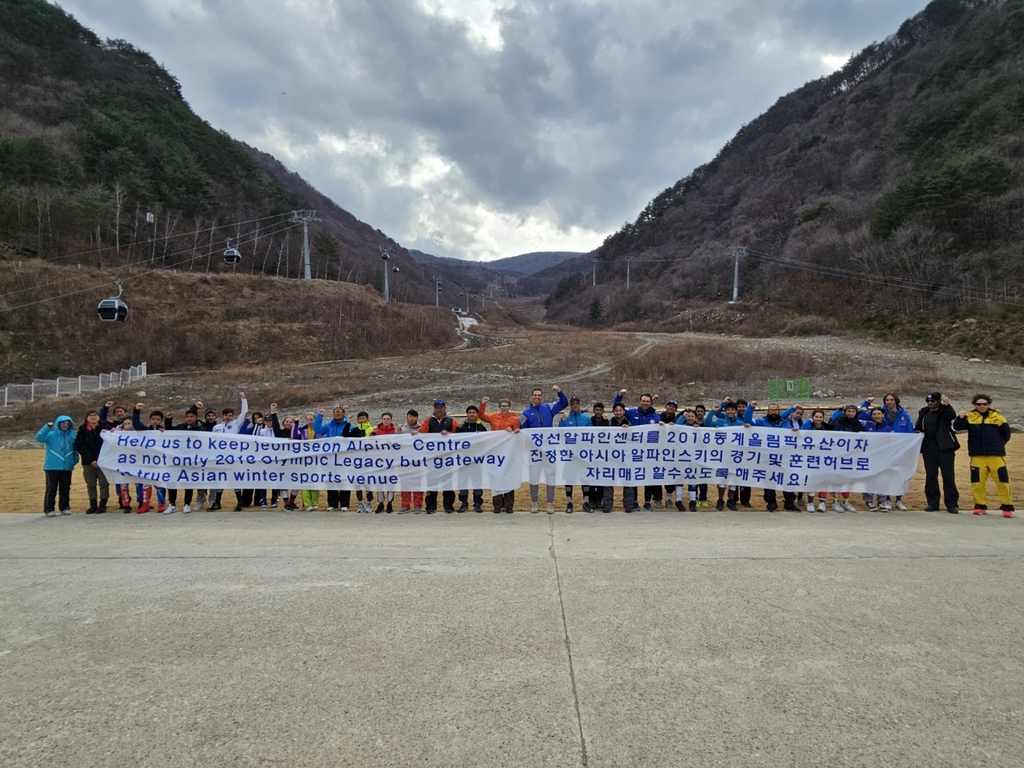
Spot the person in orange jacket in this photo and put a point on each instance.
(508, 421)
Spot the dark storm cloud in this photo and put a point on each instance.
(489, 127)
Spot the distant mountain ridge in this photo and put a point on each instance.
(903, 168)
(519, 266)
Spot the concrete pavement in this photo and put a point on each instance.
(698, 639)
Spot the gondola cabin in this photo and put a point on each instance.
(112, 310)
(232, 256)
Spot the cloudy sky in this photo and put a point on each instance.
(488, 128)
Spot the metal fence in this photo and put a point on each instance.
(71, 385)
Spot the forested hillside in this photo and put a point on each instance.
(891, 187)
(95, 135)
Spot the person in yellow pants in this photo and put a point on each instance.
(988, 432)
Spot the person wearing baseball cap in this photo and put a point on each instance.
(938, 450)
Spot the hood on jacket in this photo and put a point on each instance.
(59, 419)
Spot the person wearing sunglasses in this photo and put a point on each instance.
(988, 432)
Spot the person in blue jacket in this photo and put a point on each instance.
(575, 418)
(725, 414)
(773, 419)
(876, 422)
(61, 457)
(541, 415)
(895, 415)
(643, 414)
(337, 426)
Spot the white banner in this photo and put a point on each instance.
(500, 461)
(180, 459)
(758, 457)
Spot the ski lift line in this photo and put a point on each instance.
(96, 287)
(889, 282)
(167, 237)
(270, 232)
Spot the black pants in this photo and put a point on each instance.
(478, 497)
(595, 495)
(172, 496)
(339, 499)
(771, 500)
(447, 498)
(744, 494)
(935, 461)
(57, 480)
(652, 493)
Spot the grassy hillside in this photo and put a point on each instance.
(893, 186)
(196, 321)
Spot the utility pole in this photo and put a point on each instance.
(437, 292)
(594, 279)
(737, 252)
(627, 271)
(385, 254)
(304, 217)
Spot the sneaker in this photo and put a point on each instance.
(822, 506)
(953, 511)
(65, 511)
(587, 507)
(648, 507)
(379, 509)
(171, 509)
(161, 508)
(534, 508)
(343, 509)
(720, 505)
(273, 505)
(901, 506)
(290, 507)
(417, 510)
(679, 505)
(657, 503)
(810, 506)
(791, 507)
(692, 506)
(477, 508)
(91, 511)
(186, 509)
(702, 504)
(264, 506)
(1007, 513)
(359, 508)
(849, 507)
(746, 505)
(551, 508)
(568, 508)
(403, 510)
(870, 506)
(772, 507)
(885, 506)
(431, 511)
(50, 513)
(101, 509)
(731, 505)
(636, 507)
(199, 506)
(979, 510)
(462, 507)
(449, 510)
(127, 509)
(389, 509)
(837, 507)
(627, 510)
(144, 508)
(213, 507)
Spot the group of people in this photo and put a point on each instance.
(987, 430)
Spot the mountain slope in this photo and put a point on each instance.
(95, 134)
(904, 167)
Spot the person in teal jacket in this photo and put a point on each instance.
(61, 457)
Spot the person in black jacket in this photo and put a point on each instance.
(439, 423)
(191, 424)
(938, 449)
(471, 424)
(88, 444)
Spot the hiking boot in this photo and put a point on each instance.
(101, 509)
(720, 505)
(388, 508)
